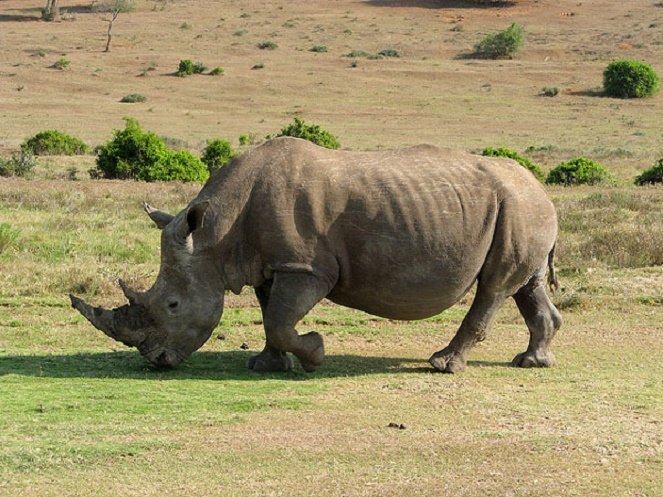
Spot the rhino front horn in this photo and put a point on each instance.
(121, 324)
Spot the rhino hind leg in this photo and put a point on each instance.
(543, 320)
(473, 329)
(291, 297)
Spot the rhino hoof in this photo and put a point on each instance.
(534, 360)
(269, 362)
(315, 351)
(447, 361)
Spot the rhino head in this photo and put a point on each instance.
(175, 317)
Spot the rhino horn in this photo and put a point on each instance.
(125, 324)
(160, 218)
(132, 296)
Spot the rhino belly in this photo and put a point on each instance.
(415, 291)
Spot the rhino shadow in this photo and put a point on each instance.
(220, 366)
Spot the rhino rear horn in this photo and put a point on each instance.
(125, 324)
(160, 218)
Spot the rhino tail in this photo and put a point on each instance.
(553, 282)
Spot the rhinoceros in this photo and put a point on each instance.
(402, 234)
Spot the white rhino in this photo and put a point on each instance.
(401, 234)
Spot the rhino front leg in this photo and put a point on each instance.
(270, 359)
(473, 329)
(291, 297)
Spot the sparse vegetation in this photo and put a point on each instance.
(630, 79)
(651, 176)
(61, 64)
(579, 171)
(133, 98)
(267, 45)
(550, 91)
(318, 49)
(20, 164)
(54, 142)
(512, 154)
(135, 154)
(311, 132)
(217, 71)
(500, 45)
(8, 236)
(216, 154)
(257, 66)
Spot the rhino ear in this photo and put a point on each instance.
(195, 216)
(161, 219)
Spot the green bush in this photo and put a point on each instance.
(512, 154)
(133, 98)
(54, 142)
(20, 164)
(216, 154)
(139, 155)
(579, 171)
(61, 64)
(630, 79)
(652, 175)
(500, 45)
(550, 91)
(217, 71)
(187, 68)
(311, 132)
(318, 49)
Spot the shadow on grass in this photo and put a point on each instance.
(229, 365)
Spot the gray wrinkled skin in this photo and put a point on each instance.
(401, 234)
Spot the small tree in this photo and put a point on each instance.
(651, 176)
(113, 7)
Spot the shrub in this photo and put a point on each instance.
(318, 49)
(267, 45)
(630, 79)
(311, 132)
(652, 175)
(357, 53)
(139, 155)
(216, 154)
(187, 68)
(216, 71)
(389, 52)
(133, 98)
(258, 66)
(54, 142)
(512, 154)
(20, 164)
(579, 171)
(244, 140)
(550, 91)
(500, 45)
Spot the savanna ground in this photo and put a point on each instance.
(82, 415)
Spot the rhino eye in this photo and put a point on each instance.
(173, 305)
